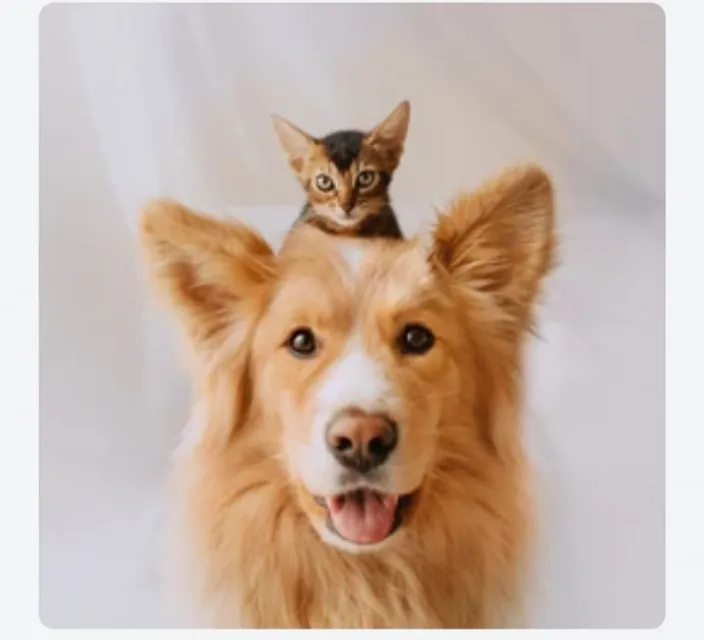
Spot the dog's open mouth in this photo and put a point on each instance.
(365, 516)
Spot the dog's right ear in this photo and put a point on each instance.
(210, 271)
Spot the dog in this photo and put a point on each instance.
(355, 456)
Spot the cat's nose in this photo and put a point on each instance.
(347, 205)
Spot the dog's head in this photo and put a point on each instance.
(366, 363)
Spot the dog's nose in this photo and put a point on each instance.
(361, 441)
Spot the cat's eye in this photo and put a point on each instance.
(366, 178)
(415, 339)
(302, 343)
(324, 182)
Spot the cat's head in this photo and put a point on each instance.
(346, 174)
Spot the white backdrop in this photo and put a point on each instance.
(147, 100)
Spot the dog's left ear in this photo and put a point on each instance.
(209, 270)
(497, 243)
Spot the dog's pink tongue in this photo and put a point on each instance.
(363, 517)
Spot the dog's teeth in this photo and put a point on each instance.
(389, 501)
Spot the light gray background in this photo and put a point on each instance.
(174, 100)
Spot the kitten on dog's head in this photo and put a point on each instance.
(346, 174)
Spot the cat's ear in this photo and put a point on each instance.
(294, 141)
(497, 243)
(391, 132)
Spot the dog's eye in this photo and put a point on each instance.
(324, 182)
(415, 339)
(302, 343)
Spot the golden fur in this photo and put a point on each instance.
(250, 539)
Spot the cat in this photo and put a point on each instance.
(346, 174)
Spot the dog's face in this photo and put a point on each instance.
(353, 357)
(358, 356)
